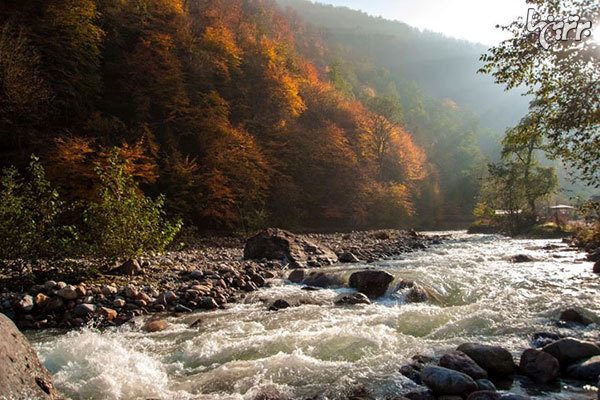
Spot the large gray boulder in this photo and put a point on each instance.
(585, 370)
(278, 244)
(459, 361)
(539, 365)
(373, 283)
(494, 359)
(444, 381)
(22, 376)
(569, 350)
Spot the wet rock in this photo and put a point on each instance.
(597, 267)
(575, 316)
(155, 326)
(521, 258)
(486, 384)
(278, 244)
(197, 323)
(22, 376)
(446, 381)
(420, 395)
(279, 305)
(540, 339)
(24, 304)
(68, 292)
(310, 288)
(297, 275)
(569, 350)
(494, 359)
(348, 257)
(108, 313)
(459, 361)
(484, 395)
(373, 283)
(209, 303)
(416, 294)
(83, 310)
(539, 366)
(323, 280)
(512, 396)
(411, 373)
(182, 309)
(585, 370)
(351, 299)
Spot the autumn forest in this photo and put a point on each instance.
(241, 113)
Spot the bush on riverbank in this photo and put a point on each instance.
(120, 222)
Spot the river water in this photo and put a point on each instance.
(319, 349)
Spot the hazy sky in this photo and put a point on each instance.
(474, 20)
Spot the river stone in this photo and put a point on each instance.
(55, 304)
(494, 359)
(107, 313)
(446, 381)
(569, 350)
(373, 283)
(348, 257)
(129, 267)
(323, 280)
(573, 315)
(486, 384)
(155, 326)
(279, 304)
(278, 244)
(119, 302)
(82, 310)
(597, 269)
(484, 395)
(22, 376)
(109, 290)
(68, 292)
(539, 366)
(521, 258)
(351, 299)
(420, 395)
(411, 372)
(297, 275)
(512, 396)
(24, 304)
(459, 361)
(41, 299)
(585, 370)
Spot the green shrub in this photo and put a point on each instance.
(123, 222)
(30, 212)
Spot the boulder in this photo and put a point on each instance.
(83, 310)
(446, 381)
(412, 373)
(278, 244)
(351, 299)
(484, 395)
(416, 294)
(459, 361)
(486, 384)
(494, 359)
(569, 350)
(22, 375)
(585, 370)
(155, 326)
(521, 258)
(323, 280)
(539, 365)
(573, 315)
(373, 283)
(540, 339)
(279, 305)
(297, 275)
(348, 257)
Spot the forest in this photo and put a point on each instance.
(239, 112)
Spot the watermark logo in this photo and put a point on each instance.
(557, 30)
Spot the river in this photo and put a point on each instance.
(322, 349)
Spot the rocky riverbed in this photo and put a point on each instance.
(214, 273)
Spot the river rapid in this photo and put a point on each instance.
(318, 349)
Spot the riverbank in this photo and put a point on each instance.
(208, 276)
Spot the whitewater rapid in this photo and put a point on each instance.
(318, 349)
